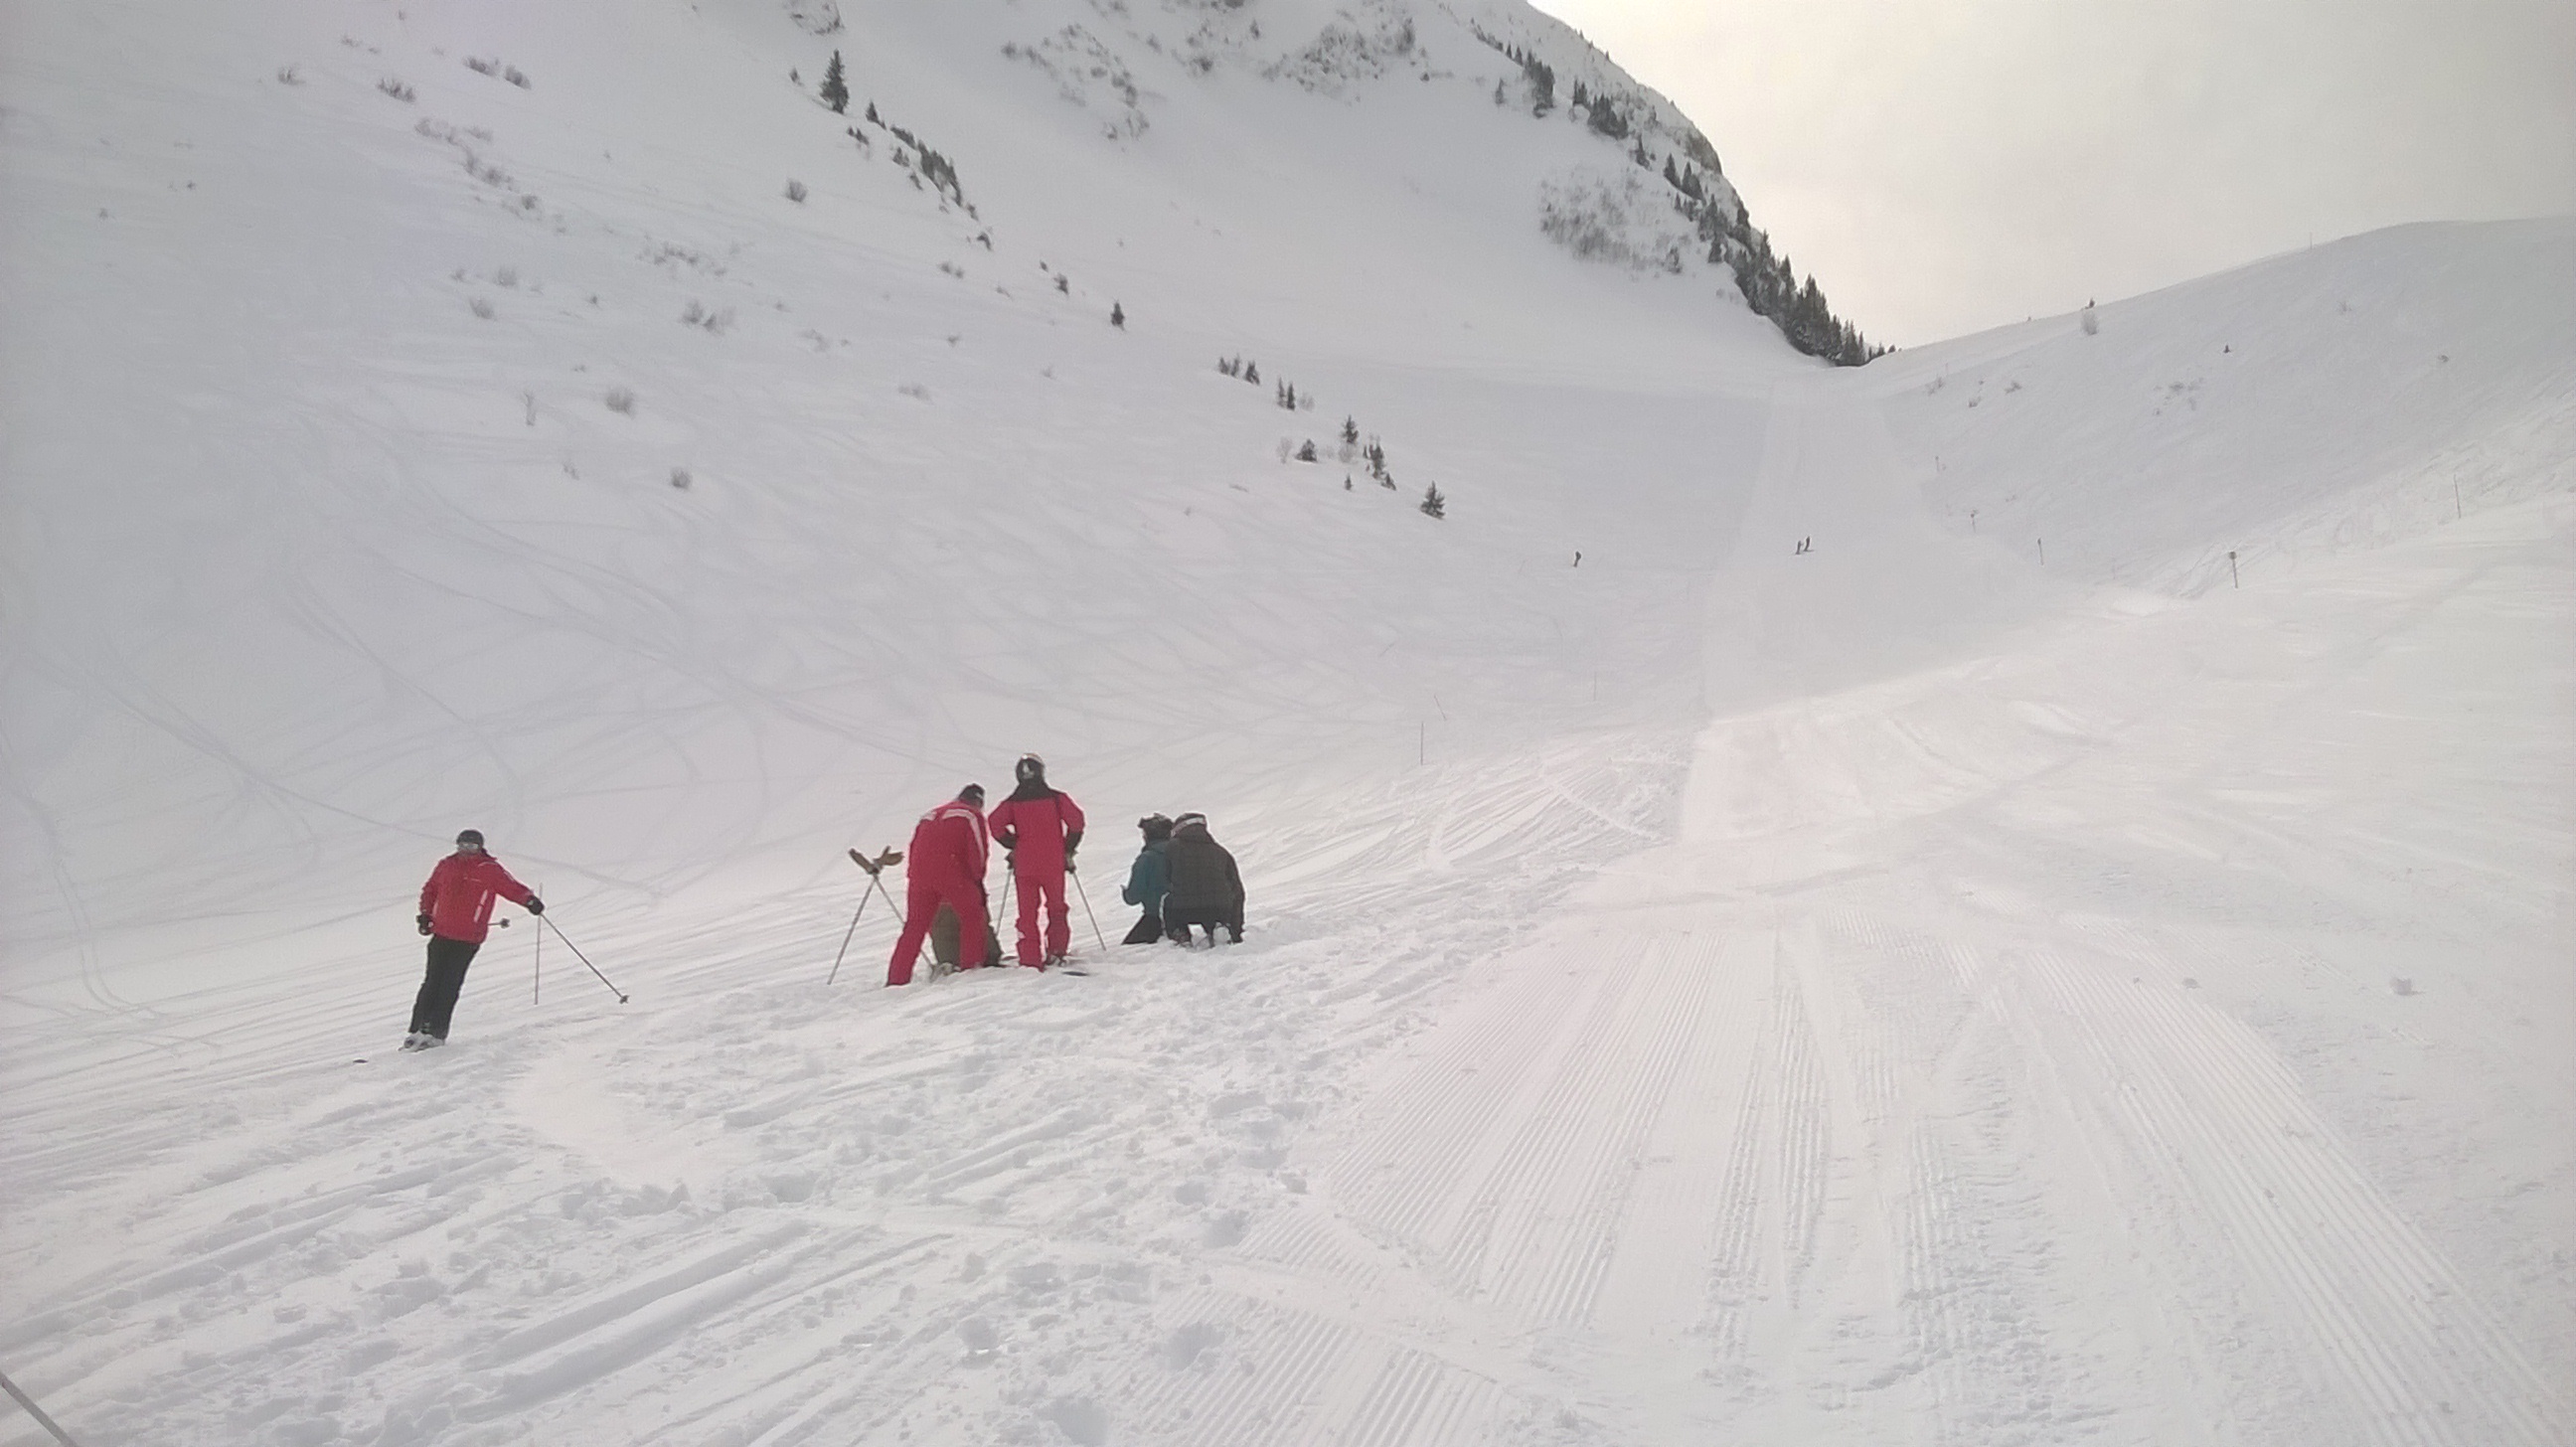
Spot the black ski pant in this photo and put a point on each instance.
(1149, 928)
(438, 986)
(1208, 918)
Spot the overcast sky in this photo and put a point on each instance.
(1942, 166)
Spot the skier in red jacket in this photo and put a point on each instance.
(945, 866)
(456, 913)
(1041, 829)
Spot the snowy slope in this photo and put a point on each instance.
(1896, 990)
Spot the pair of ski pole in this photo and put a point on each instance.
(876, 885)
(1011, 869)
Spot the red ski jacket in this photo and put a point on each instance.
(950, 845)
(1037, 832)
(458, 897)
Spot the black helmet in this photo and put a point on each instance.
(470, 836)
(1029, 767)
(972, 793)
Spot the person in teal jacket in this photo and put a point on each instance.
(1148, 879)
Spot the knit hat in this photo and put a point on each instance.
(972, 793)
(470, 836)
(1155, 827)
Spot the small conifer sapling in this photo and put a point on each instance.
(1433, 504)
(1117, 316)
(836, 91)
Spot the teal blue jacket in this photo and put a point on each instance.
(1148, 879)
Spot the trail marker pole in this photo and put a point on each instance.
(2043, 552)
(2232, 580)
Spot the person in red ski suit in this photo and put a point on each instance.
(1041, 828)
(944, 866)
(456, 913)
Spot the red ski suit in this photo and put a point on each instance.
(945, 866)
(458, 896)
(1037, 830)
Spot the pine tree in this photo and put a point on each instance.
(1252, 373)
(1307, 452)
(1350, 431)
(1433, 504)
(1117, 316)
(836, 91)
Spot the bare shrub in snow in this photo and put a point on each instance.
(516, 77)
(289, 75)
(621, 401)
(480, 66)
(481, 307)
(506, 276)
(915, 391)
(1089, 74)
(815, 17)
(1616, 217)
(1344, 53)
(396, 89)
(680, 478)
(795, 190)
(696, 314)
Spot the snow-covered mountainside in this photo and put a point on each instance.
(1810, 906)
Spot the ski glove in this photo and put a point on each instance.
(536, 905)
(424, 924)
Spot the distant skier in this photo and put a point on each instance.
(945, 865)
(456, 913)
(1206, 888)
(1041, 828)
(1147, 880)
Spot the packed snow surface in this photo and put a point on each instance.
(2017, 894)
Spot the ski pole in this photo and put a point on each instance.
(1086, 906)
(36, 1412)
(537, 979)
(845, 938)
(578, 955)
(993, 920)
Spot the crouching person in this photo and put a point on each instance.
(1148, 879)
(1205, 889)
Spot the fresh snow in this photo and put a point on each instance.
(1993, 973)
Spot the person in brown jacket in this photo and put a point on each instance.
(1206, 888)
